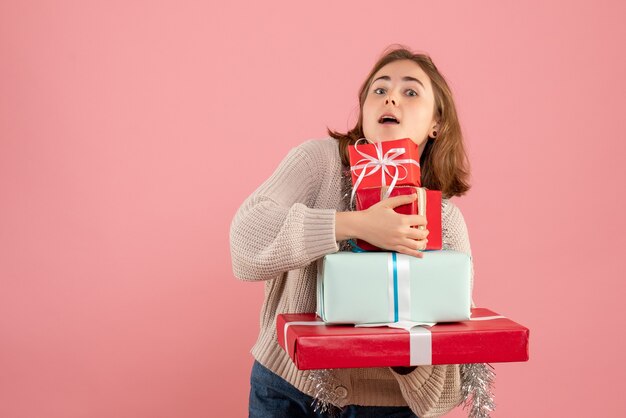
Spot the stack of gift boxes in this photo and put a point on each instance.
(377, 308)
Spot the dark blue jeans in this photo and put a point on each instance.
(271, 396)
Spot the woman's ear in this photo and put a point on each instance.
(434, 131)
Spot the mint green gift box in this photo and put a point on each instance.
(383, 287)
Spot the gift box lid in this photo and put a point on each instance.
(486, 338)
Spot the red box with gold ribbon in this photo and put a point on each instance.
(428, 204)
(486, 338)
(387, 163)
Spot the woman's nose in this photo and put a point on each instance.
(393, 101)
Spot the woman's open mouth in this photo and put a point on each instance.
(388, 120)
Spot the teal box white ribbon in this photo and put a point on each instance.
(384, 287)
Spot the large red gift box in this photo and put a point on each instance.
(376, 165)
(486, 338)
(428, 203)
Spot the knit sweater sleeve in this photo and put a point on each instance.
(276, 229)
(432, 391)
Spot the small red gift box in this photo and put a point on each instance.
(387, 163)
(486, 338)
(428, 203)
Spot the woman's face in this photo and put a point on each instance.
(402, 90)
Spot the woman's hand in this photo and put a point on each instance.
(383, 227)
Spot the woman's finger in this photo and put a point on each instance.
(409, 251)
(415, 233)
(393, 202)
(415, 244)
(414, 220)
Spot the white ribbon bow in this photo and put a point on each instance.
(380, 162)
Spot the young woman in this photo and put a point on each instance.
(302, 213)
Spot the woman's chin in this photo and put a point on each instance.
(391, 137)
(386, 135)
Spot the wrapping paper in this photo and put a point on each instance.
(379, 287)
(389, 163)
(486, 338)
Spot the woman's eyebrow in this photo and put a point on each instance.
(405, 78)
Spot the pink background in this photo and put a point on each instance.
(131, 131)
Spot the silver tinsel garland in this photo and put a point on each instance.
(324, 383)
(476, 384)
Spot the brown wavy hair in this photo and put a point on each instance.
(444, 163)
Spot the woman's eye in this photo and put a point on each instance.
(411, 92)
(379, 90)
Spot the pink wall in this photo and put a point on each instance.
(130, 132)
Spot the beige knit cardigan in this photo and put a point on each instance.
(277, 235)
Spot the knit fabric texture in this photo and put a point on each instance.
(277, 235)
